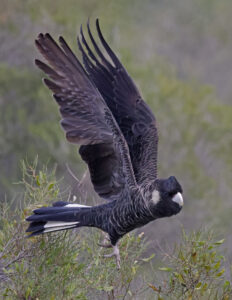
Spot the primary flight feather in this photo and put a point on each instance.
(103, 111)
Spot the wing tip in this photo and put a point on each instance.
(45, 81)
(47, 35)
(40, 36)
(39, 63)
(61, 39)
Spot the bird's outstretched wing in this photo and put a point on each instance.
(86, 118)
(132, 114)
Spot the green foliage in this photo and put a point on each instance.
(66, 265)
(40, 185)
(195, 270)
(70, 265)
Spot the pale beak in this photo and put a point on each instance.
(178, 199)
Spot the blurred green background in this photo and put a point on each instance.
(179, 53)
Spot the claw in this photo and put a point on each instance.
(116, 254)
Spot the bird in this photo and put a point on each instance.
(104, 113)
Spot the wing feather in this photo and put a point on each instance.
(132, 114)
(86, 119)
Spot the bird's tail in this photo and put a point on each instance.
(60, 216)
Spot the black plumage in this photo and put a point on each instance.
(103, 111)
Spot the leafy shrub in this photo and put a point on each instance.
(64, 265)
(195, 270)
(70, 265)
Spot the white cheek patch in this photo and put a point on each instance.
(178, 199)
(155, 197)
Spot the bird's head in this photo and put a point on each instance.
(167, 197)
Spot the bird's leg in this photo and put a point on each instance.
(116, 254)
(105, 243)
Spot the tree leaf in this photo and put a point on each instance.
(165, 269)
(219, 242)
(220, 273)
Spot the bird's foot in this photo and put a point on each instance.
(116, 254)
(106, 242)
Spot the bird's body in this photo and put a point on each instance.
(116, 218)
(103, 111)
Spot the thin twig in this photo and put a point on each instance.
(72, 174)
